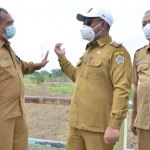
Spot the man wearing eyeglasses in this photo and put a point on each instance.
(102, 84)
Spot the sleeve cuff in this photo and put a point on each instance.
(115, 123)
(62, 58)
(37, 66)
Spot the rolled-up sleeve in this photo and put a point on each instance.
(30, 67)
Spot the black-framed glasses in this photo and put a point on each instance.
(88, 22)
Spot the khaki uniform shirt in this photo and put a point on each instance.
(11, 82)
(141, 78)
(102, 85)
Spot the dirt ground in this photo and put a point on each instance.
(50, 122)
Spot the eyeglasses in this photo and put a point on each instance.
(88, 22)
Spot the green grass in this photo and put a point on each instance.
(131, 93)
(33, 85)
(65, 89)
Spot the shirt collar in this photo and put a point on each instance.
(148, 47)
(100, 42)
(2, 43)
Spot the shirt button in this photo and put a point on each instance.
(81, 75)
(84, 62)
(75, 102)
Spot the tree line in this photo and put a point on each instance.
(55, 75)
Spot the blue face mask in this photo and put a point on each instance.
(10, 32)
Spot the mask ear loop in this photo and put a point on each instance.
(96, 27)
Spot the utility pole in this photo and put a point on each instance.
(42, 53)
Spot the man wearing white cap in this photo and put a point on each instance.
(102, 84)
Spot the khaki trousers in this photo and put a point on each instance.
(143, 139)
(85, 140)
(14, 134)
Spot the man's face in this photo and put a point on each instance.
(7, 21)
(93, 22)
(146, 20)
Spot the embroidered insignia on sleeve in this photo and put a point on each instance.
(117, 53)
(115, 44)
(120, 59)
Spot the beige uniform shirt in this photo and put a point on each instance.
(11, 82)
(141, 78)
(102, 85)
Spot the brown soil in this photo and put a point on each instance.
(50, 122)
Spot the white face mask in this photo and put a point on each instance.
(87, 32)
(146, 31)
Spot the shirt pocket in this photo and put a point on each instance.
(78, 68)
(93, 70)
(7, 69)
(143, 71)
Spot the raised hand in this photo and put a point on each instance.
(45, 61)
(58, 50)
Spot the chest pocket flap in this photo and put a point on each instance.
(142, 67)
(95, 63)
(5, 63)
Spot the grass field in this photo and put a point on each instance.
(65, 87)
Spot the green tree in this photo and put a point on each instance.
(44, 73)
(57, 72)
(37, 79)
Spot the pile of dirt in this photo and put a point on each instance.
(50, 122)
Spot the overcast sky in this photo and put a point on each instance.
(40, 24)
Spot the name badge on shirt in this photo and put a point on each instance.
(5, 58)
(142, 62)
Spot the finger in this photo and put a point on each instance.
(134, 132)
(106, 141)
(47, 62)
(46, 55)
(58, 45)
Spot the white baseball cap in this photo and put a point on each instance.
(102, 13)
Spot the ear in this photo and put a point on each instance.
(104, 25)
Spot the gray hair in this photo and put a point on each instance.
(2, 10)
(148, 11)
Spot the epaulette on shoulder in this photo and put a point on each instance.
(141, 48)
(115, 44)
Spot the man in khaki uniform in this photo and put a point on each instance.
(140, 124)
(102, 85)
(13, 124)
